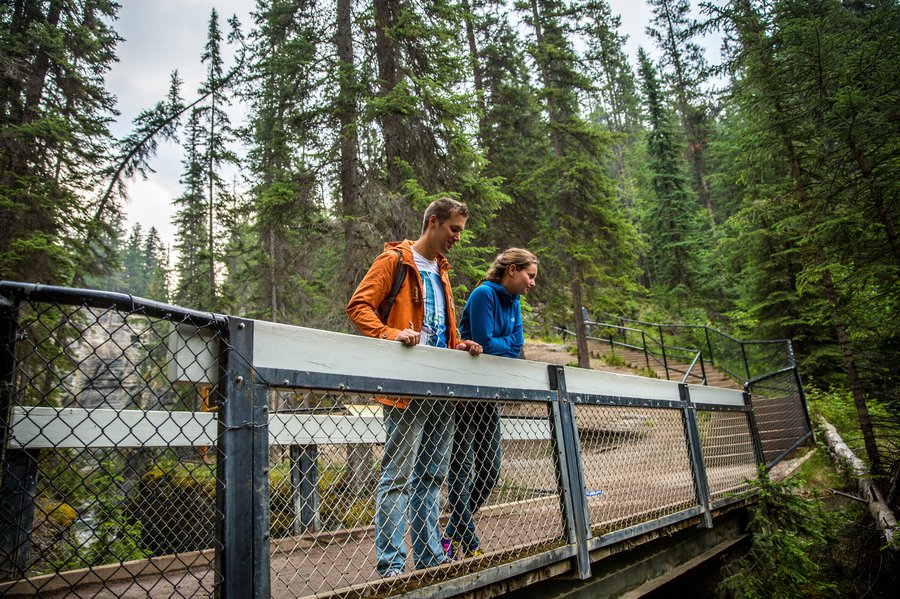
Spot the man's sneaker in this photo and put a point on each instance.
(393, 573)
(475, 552)
(447, 546)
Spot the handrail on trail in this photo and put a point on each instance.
(691, 367)
(729, 360)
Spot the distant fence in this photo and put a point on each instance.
(671, 346)
(149, 449)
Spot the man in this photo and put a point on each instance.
(419, 432)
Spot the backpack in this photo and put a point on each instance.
(399, 275)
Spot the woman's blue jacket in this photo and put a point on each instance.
(493, 318)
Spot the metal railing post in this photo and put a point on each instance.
(744, 356)
(712, 359)
(646, 353)
(662, 345)
(703, 369)
(571, 471)
(801, 393)
(695, 450)
(305, 488)
(18, 472)
(754, 429)
(9, 317)
(242, 494)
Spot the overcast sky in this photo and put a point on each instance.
(164, 35)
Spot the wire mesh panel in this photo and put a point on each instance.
(117, 437)
(109, 470)
(346, 516)
(780, 413)
(727, 452)
(636, 465)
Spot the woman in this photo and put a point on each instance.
(492, 318)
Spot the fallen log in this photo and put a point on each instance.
(879, 509)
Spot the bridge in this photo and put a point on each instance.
(151, 450)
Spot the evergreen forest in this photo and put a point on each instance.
(757, 194)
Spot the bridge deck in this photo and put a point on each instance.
(319, 565)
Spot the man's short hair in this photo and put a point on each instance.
(444, 209)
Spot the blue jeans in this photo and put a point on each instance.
(474, 468)
(413, 468)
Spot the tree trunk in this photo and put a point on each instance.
(890, 230)
(273, 274)
(210, 182)
(349, 149)
(584, 356)
(476, 70)
(878, 507)
(859, 399)
(37, 76)
(386, 12)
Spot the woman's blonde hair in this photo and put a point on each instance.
(513, 256)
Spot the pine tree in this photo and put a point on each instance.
(585, 234)
(669, 218)
(192, 266)
(156, 266)
(618, 105)
(347, 111)
(424, 111)
(512, 132)
(215, 152)
(289, 131)
(137, 148)
(791, 84)
(54, 112)
(615, 101)
(134, 267)
(685, 72)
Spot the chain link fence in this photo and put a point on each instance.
(781, 415)
(155, 451)
(109, 454)
(326, 460)
(728, 452)
(619, 442)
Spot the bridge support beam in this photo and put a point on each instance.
(242, 559)
(571, 470)
(18, 469)
(648, 566)
(695, 450)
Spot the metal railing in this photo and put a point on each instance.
(671, 346)
(149, 449)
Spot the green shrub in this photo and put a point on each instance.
(788, 532)
(613, 360)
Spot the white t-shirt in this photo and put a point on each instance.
(434, 328)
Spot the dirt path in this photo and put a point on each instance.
(559, 354)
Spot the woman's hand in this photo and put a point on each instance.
(469, 346)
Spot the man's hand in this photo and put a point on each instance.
(408, 337)
(470, 346)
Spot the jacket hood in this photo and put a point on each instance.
(501, 291)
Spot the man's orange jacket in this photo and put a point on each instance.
(408, 311)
